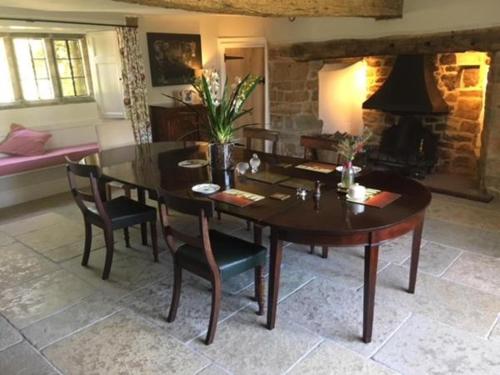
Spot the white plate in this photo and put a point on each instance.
(339, 168)
(205, 188)
(193, 163)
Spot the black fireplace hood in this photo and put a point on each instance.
(409, 89)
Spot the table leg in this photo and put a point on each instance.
(371, 263)
(141, 197)
(257, 234)
(276, 255)
(415, 254)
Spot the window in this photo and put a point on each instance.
(6, 91)
(38, 69)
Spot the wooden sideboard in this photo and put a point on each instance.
(171, 122)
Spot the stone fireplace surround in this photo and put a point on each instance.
(470, 134)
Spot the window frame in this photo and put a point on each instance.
(48, 40)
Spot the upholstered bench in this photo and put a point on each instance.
(17, 164)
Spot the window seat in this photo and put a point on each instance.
(17, 164)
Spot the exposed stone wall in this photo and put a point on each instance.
(461, 79)
(490, 152)
(293, 92)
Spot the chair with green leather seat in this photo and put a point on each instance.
(109, 215)
(212, 255)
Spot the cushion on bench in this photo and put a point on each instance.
(17, 164)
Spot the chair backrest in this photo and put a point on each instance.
(93, 174)
(262, 134)
(312, 144)
(114, 134)
(201, 208)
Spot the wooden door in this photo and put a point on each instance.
(240, 62)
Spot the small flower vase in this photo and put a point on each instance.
(220, 156)
(347, 178)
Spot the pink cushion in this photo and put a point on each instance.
(16, 164)
(24, 142)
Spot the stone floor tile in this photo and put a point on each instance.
(128, 273)
(243, 345)
(22, 359)
(32, 223)
(336, 312)
(38, 298)
(346, 269)
(123, 342)
(76, 317)
(395, 251)
(477, 271)
(329, 358)
(463, 237)
(8, 334)
(435, 258)
(445, 301)
(193, 314)
(5, 239)
(213, 370)
(73, 250)
(19, 264)
(425, 346)
(53, 236)
(495, 332)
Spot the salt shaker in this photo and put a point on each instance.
(254, 163)
(317, 189)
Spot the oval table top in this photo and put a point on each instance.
(155, 165)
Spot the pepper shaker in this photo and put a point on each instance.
(317, 189)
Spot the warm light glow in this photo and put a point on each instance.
(342, 91)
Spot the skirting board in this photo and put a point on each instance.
(28, 186)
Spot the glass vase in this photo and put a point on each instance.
(347, 178)
(220, 156)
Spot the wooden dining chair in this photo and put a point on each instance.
(109, 215)
(213, 255)
(253, 133)
(313, 144)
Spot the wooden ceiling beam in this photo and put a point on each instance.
(379, 9)
(486, 40)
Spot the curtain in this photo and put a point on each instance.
(134, 84)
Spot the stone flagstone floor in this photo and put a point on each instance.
(57, 317)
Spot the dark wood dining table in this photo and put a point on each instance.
(329, 220)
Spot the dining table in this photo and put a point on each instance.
(323, 217)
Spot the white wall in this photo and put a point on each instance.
(420, 16)
(210, 27)
(342, 91)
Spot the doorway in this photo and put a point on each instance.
(239, 58)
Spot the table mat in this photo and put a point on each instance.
(295, 183)
(376, 198)
(268, 177)
(237, 197)
(314, 166)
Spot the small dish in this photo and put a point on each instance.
(206, 188)
(192, 163)
(339, 168)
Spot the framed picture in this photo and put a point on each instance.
(173, 58)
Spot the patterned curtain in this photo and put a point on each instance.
(134, 84)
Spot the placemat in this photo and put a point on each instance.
(295, 183)
(237, 197)
(314, 166)
(268, 177)
(376, 198)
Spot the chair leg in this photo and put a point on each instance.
(249, 225)
(324, 252)
(109, 192)
(219, 215)
(88, 243)
(214, 313)
(126, 236)
(259, 288)
(108, 238)
(154, 240)
(127, 190)
(176, 293)
(311, 249)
